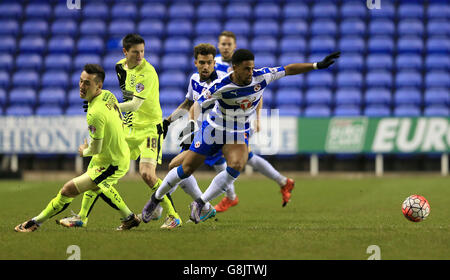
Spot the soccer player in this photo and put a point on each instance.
(107, 147)
(236, 97)
(144, 127)
(227, 46)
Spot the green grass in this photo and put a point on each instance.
(328, 218)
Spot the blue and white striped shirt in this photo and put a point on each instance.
(221, 65)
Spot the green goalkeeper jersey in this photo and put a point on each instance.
(105, 122)
(143, 82)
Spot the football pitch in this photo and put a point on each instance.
(332, 217)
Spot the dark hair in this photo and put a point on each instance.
(204, 49)
(97, 70)
(228, 34)
(242, 55)
(132, 39)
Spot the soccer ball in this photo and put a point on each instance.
(415, 208)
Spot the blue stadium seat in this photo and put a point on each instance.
(320, 79)
(90, 44)
(212, 11)
(32, 44)
(347, 111)
(179, 27)
(438, 11)
(352, 27)
(171, 96)
(3, 96)
(410, 27)
(437, 96)
(378, 96)
(150, 27)
(383, 27)
(121, 27)
(436, 111)
(265, 27)
(173, 79)
(295, 11)
(288, 96)
(4, 79)
(354, 10)
(407, 96)
(52, 96)
(109, 60)
(350, 61)
(64, 27)
(237, 11)
(267, 11)
(110, 79)
(286, 58)
(124, 11)
(386, 12)
(293, 44)
(348, 96)
(167, 110)
(11, 10)
(291, 81)
(379, 78)
(349, 78)
(324, 10)
(295, 27)
(181, 10)
(242, 41)
(238, 26)
(58, 62)
(28, 61)
(408, 78)
(437, 62)
(38, 10)
(265, 60)
(268, 99)
(407, 111)
(322, 44)
(35, 27)
(208, 27)
(377, 111)
(61, 45)
(317, 111)
(264, 44)
(75, 110)
(379, 62)
(176, 61)
(153, 44)
(60, 11)
(153, 10)
(75, 79)
(438, 28)
(73, 98)
(352, 44)
(6, 61)
(80, 60)
(410, 44)
(380, 44)
(318, 96)
(323, 27)
(409, 62)
(438, 44)
(22, 96)
(9, 27)
(93, 27)
(55, 78)
(7, 45)
(437, 79)
(177, 44)
(95, 10)
(210, 39)
(410, 11)
(25, 78)
(47, 110)
(290, 110)
(19, 110)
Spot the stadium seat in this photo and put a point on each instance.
(9, 27)
(52, 96)
(293, 44)
(410, 27)
(150, 27)
(181, 10)
(438, 44)
(212, 11)
(58, 62)
(110, 79)
(90, 44)
(179, 27)
(295, 11)
(60, 11)
(35, 27)
(380, 44)
(96, 10)
(121, 27)
(124, 11)
(407, 96)
(268, 99)
(437, 79)
(38, 10)
(80, 60)
(384, 27)
(388, 11)
(379, 62)
(322, 44)
(435, 62)
(267, 11)
(410, 44)
(19, 110)
(414, 11)
(353, 10)
(210, 39)
(208, 27)
(409, 62)
(265, 60)
(377, 96)
(320, 79)
(318, 96)
(438, 11)
(94, 27)
(352, 44)
(408, 78)
(238, 11)
(437, 96)
(32, 44)
(55, 78)
(324, 10)
(11, 10)
(64, 27)
(407, 111)
(349, 78)
(436, 111)
(173, 79)
(61, 45)
(377, 111)
(4, 80)
(75, 110)
(47, 110)
(289, 110)
(262, 27)
(264, 44)
(295, 27)
(352, 27)
(379, 78)
(153, 10)
(22, 96)
(317, 111)
(6, 61)
(291, 81)
(176, 61)
(172, 96)
(109, 60)
(26, 78)
(28, 61)
(347, 111)
(286, 58)
(7, 44)
(177, 44)
(323, 28)
(239, 27)
(73, 98)
(3, 97)
(288, 96)
(348, 96)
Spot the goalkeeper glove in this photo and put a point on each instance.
(327, 61)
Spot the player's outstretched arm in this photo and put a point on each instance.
(299, 68)
(131, 106)
(180, 110)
